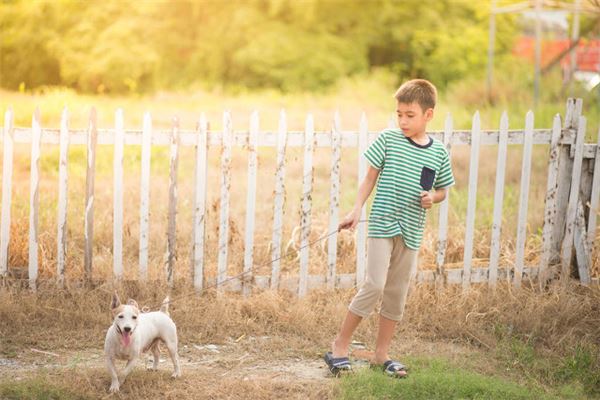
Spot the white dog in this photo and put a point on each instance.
(133, 333)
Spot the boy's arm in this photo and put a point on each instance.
(430, 198)
(364, 191)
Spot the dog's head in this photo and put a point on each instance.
(125, 318)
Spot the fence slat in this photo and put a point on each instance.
(224, 211)
(472, 201)
(361, 239)
(334, 201)
(118, 196)
(567, 244)
(279, 200)
(550, 201)
(92, 139)
(305, 216)
(250, 204)
(443, 212)
(594, 199)
(524, 200)
(7, 168)
(580, 243)
(172, 224)
(200, 192)
(498, 200)
(145, 195)
(34, 199)
(61, 237)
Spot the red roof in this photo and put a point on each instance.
(588, 52)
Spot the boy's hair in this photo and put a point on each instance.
(418, 91)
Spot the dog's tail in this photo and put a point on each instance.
(165, 305)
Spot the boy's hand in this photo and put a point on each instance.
(426, 199)
(350, 221)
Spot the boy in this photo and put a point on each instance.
(396, 161)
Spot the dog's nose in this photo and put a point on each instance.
(127, 329)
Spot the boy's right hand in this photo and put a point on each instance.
(350, 221)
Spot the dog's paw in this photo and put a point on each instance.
(176, 374)
(114, 387)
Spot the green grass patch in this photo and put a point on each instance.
(438, 379)
(38, 388)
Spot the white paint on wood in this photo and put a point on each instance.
(7, 167)
(567, 244)
(443, 211)
(61, 238)
(92, 139)
(334, 201)
(305, 215)
(361, 234)
(118, 196)
(279, 199)
(472, 200)
(580, 243)
(250, 203)
(34, 198)
(145, 195)
(550, 200)
(498, 200)
(224, 211)
(594, 199)
(200, 192)
(523, 200)
(173, 190)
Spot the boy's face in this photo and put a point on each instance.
(412, 119)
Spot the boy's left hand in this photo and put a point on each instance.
(426, 199)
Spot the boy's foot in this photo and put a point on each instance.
(337, 365)
(338, 350)
(392, 368)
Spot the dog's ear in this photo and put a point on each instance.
(115, 301)
(132, 302)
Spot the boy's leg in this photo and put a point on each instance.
(402, 268)
(378, 261)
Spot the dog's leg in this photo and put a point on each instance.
(128, 368)
(172, 347)
(156, 354)
(114, 383)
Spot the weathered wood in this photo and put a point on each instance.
(118, 196)
(34, 199)
(92, 140)
(200, 192)
(472, 200)
(145, 195)
(567, 244)
(224, 205)
(550, 210)
(594, 199)
(443, 212)
(250, 204)
(305, 215)
(361, 234)
(498, 200)
(580, 242)
(523, 200)
(61, 237)
(172, 223)
(334, 201)
(7, 168)
(278, 201)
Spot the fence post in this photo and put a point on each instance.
(172, 224)
(7, 167)
(201, 176)
(145, 195)
(305, 216)
(440, 278)
(250, 204)
(61, 238)
(34, 199)
(118, 195)
(224, 207)
(361, 240)
(279, 200)
(92, 139)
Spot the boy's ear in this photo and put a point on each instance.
(429, 114)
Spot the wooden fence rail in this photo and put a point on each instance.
(570, 215)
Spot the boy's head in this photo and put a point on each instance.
(415, 103)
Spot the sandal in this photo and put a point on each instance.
(392, 369)
(338, 365)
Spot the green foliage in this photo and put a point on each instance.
(36, 389)
(119, 47)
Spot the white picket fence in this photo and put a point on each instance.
(565, 228)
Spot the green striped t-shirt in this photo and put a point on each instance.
(397, 207)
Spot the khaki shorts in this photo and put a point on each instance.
(390, 267)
